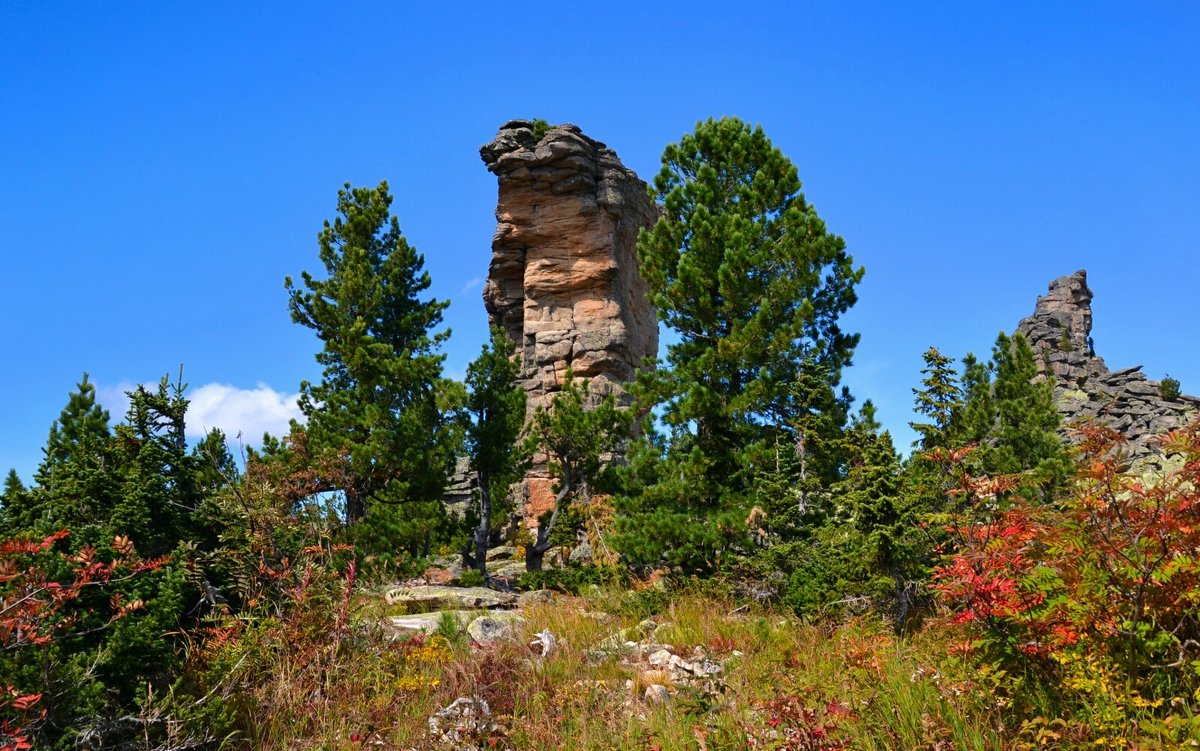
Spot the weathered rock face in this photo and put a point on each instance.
(461, 488)
(1084, 388)
(564, 281)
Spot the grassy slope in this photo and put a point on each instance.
(785, 685)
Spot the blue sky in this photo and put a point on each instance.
(165, 165)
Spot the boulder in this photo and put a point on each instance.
(493, 627)
(502, 553)
(424, 623)
(507, 569)
(536, 597)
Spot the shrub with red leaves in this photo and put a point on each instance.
(1109, 575)
(37, 607)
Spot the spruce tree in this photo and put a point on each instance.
(1026, 421)
(75, 484)
(957, 411)
(377, 404)
(13, 503)
(978, 416)
(857, 548)
(939, 400)
(158, 495)
(496, 412)
(872, 500)
(795, 464)
(114, 492)
(1008, 414)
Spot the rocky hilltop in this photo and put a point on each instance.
(1084, 388)
(564, 281)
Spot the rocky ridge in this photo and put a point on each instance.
(1084, 388)
(563, 281)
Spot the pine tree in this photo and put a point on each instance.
(377, 405)
(496, 410)
(81, 422)
(577, 432)
(743, 269)
(745, 273)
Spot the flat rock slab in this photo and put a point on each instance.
(430, 598)
(424, 623)
(507, 569)
(493, 627)
(536, 597)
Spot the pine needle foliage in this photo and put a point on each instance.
(377, 404)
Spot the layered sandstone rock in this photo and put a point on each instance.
(564, 281)
(1084, 388)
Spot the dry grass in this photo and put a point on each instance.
(786, 684)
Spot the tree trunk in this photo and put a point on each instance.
(534, 555)
(356, 505)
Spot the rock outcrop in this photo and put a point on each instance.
(1084, 388)
(564, 281)
(461, 487)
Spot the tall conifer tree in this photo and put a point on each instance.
(744, 271)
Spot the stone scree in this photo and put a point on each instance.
(564, 281)
(1084, 388)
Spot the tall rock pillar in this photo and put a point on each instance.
(1060, 332)
(564, 281)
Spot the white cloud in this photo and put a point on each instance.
(250, 412)
(115, 400)
(471, 284)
